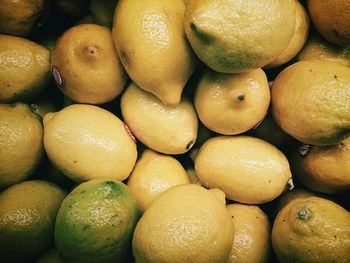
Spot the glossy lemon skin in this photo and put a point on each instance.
(153, 174)
(86, 142)
(249, 170)
(163, 128)
(150, 39)
(186, 223)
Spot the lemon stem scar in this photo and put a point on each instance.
(304, 213)
(240, 97)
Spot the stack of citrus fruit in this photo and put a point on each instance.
(174, 131)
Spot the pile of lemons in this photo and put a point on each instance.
(174, 131)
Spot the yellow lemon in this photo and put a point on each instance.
(317, 48)
(95, 222)
(21, 17)
(251, 240)
(150, 40)
(27, 218)
(153, 174)
(301, 33)
(163, 128)
(332, 19)
(310, 101)
(86, 66)
(240, 100)
(86, 142)
(24, 68)
(21, 143)
(186, 223)
(237, 36)
(312, 229)
(249, 170)
(324, 169)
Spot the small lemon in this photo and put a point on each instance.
(95, 223)
(24, 68)
(86, 142)
(163, 128)
(310, 101)
(237, 36)
(150, 39)
(251, 240)
(186, 223)
(312, 229)
(27, 218)
(86, 66)
(21, 143)
(318, 48)
(324, 169)
(153, 174)
(240, 100)
(249, 170)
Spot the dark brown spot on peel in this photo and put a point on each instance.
(189, 145)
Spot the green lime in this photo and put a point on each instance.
(95, 222)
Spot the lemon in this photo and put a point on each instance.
(27, 217)
(310, 101)
(186, 223)
(240, 100)
(153, 174)
(193, 178)
(251, 241)
(324, 169)
(21, 143)
(249, 170)
(87, 69)
(150, 40)
(95, 222)
(312, 229)
(252, 35)
(72, 9)
(332, 19)
(51, 256)
(163, 128)
(21, 17)
(301, 33)
(24, 68)
(86, 142)
(287, 197)
(318, 48)
(269, 131)
(102, 11)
